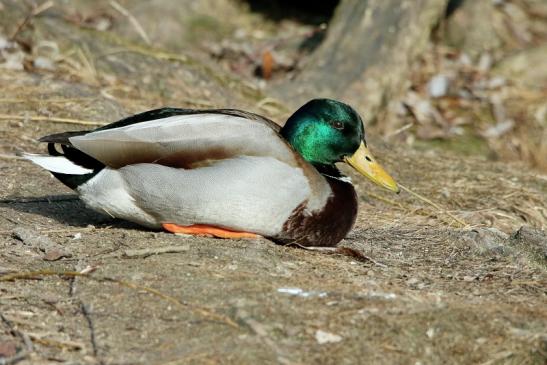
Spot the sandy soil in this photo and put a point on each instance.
(461, 281)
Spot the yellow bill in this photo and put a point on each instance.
(364, 163)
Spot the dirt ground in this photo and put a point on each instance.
(456, 269)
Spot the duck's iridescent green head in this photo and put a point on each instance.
(326, 131)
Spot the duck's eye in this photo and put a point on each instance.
(337, 124)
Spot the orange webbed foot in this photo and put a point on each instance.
(207, 231)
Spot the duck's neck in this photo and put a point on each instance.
(331, 171)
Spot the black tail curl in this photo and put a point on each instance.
(74, 155)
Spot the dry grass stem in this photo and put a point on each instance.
(38, 100)
(388, 201)
(435, 205)
(4, 156)
(134, 22)
(38, 118)
(398, 131)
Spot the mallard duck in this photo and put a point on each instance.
(222, 172)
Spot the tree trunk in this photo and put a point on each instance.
(367, 52)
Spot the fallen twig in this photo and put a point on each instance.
(145, 252)
(35, 12)
(343, 251)
(72, 274)
(258, 329)
(86, 311)
(65, 345)
(39, 118)
(351, 252)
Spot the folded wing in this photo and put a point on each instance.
(186, 141)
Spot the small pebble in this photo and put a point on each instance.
(485, 62)
(413, 281)
(499, 129)
(438, 86)
(44, 63)
(323, 337)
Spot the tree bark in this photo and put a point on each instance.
(367, 52)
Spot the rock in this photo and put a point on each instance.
(52, 250)
(496, 82)
(412, 281)
(499, 129)
(55, 254)
(301, 293)
(487, 241)
(485, 62)
(323, 337)
(7, 349)
(31, 238)
(44, 63)
(532, 242)
(438, 86)
(12, 60)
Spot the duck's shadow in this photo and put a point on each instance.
(66, 209)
